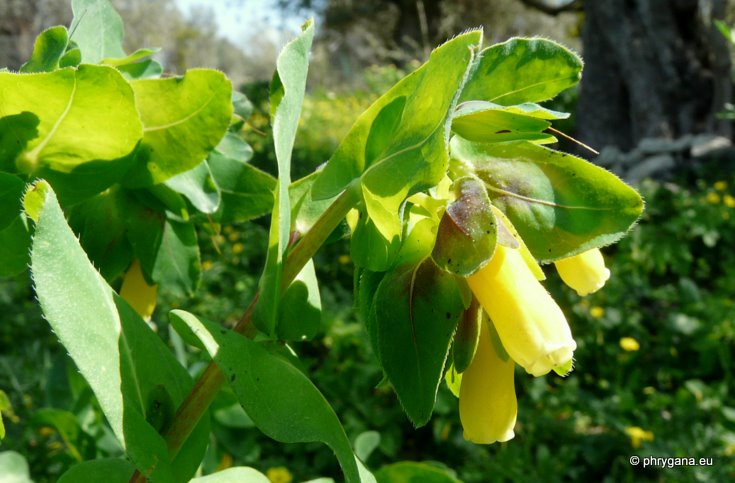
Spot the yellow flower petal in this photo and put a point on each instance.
(585, 273)
(136, 291)
(487, 397)
(530, 324)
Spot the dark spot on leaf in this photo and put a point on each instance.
(233, 377)
(503, 131)
(449, 315)
(223, 331)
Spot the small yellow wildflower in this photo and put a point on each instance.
(487, 398)
(729, 201)
(206, 265)
(585, 273)
(530, 324)
(279, 474)
(344, 259)
(720, 185)
(629, 344)
(597, 312)
(233, 236)
(712, 198)
(238, 248)
(637, 435)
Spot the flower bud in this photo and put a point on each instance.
(487, 397)
(585, 273)
(530, 324)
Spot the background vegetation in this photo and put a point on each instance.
(654, 367)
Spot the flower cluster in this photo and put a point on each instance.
(524, 326)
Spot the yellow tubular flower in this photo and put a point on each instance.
(136, 291)
(530, 324)
(585, 273)
(487, 397)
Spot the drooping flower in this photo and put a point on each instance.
(585, 273)
(487, 397)
(530, 324)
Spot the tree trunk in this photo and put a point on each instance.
(654, 68)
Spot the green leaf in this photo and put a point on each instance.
(410, 472)
(15, 240)
(11, 192)
(287, 96)
(198, 186)
(278, 397)
(366, 443)
(234, 475)
(97, 29)
(136, 57)
(14, 468)
(247, 192)
(560, 204)
(147, 69)
(467, 336)
(416, 309)
(48, 50)
(78, 444)
(369, 249)
(15, 132)
(300, 314)
(108, 249)
(398, 146)
(522, 70)
(72, 128)
(488, 123)
(109, 470)
(114, 349)
(241, 105)
(467, 233)
(183, 120)
(177, 268)
(418, 105)
(72, 58)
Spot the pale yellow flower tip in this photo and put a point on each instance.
(136, 291)
(530, 324)
(629, 344)
(585, 273)
(487, 399)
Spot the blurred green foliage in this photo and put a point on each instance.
(653, 377)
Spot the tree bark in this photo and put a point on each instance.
(654, 68)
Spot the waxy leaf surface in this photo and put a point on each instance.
(560, 204)
(72, 129)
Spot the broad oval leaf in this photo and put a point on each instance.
(184, 118)
(198, 186)
(279, 398)
(72, 128)
(123, 361)
(47, 51)
(97, 29)
(488, 123)
(560, 204)
(398, 145)
(416, 308)
(522, 70)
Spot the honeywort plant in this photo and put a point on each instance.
(450, 194)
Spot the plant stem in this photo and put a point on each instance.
(210, 381)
